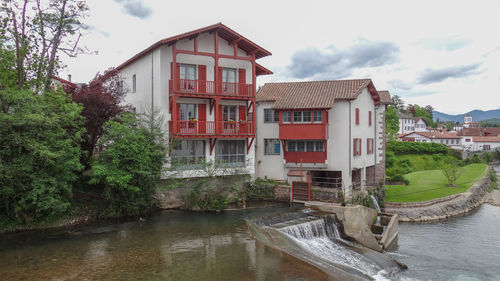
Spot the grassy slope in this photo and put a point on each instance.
(427, 185)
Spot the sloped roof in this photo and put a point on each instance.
(64, 81)
(438, 135)
(420, 118)
(486, 139)
(314, 94)
(385, 97)
(488, 131)
(224, 32)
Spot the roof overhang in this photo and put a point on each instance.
(260, 70)
(222, 30)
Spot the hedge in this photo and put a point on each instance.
(406, 147)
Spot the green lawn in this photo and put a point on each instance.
(432, 184)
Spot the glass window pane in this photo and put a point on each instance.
(297, 116)
(318, 117)
(290, 146)
(286, 117)
(306, 116)
(300, 146)
(310, 146)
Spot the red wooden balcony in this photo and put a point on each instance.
(305, 157)
(211, 128)
(199, 87)
(300, 131)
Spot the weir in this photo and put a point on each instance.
(317, 240)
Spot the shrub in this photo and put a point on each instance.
(260, 189)
(389, 159)
(494, 180)
(400, 178)
(40, 137)
(403, 147)
(487, 157)
(130, 165)
(474, 159)
(452, 172)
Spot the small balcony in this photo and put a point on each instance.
(208, 88)
(300, 131)
(211, 129)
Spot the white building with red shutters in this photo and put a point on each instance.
(334, 130)
(203, 82)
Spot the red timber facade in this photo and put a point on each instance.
(207, 89)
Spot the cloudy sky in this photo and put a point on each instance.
(442, 53)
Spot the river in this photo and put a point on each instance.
(176, 245)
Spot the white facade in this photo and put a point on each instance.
(342, 130)
(451, 142)
(420, 125)
(406, 125)
(147, 82)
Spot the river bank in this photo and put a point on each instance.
(448, 206)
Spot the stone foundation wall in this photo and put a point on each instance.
(443, 207)
(282, 194)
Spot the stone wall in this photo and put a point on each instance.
(443, 207)
(282, 194)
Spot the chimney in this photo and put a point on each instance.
(69, 77)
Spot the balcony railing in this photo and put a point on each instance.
(200, 87)
(210, 128)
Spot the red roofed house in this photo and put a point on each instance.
(335, 130)
(203, 82)
(479, 143)
(450, 139)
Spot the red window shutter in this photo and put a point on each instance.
(177, 76)
(369, 118)
(357, 116)
(202, 78)
(242, 82)
(219, 117)
(202, 118)
(178, 115)
(368, 146)
(242, 112)
(172, 70)
(355, 150)
(360, 146)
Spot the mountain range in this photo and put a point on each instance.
(477, 115)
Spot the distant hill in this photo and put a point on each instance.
(491, 122)
(477, 115)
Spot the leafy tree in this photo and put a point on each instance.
(39, 153)
(452, 172)
(131, 163)
(398, 103)
(391, 123)
(424, 113)
(39, 31)
(102, 100)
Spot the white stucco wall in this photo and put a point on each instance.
(420, 126)
(406, 125)
(379, 138)
(153, 72)
(268, 166)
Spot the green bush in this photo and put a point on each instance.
(494, 180)
(389, 159)
(487, 157)
(406, 147)
(130, 165)
(475, 159)
(40, 137)
(399, 178)
(261, 189)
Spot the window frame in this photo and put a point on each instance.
(272, 144)
(199, 157)
(239, 152)
(271, 116)
(287, 113)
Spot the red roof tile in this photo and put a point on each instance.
(313, 94)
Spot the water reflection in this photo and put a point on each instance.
(170, 246)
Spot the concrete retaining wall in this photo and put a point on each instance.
(443, 207)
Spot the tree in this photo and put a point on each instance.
(391, 123)
(39, 31)
(39, 153)
(452, 172)
(131, 162)
(102, 99)
(397, 102)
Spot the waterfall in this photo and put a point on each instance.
(320, 238)
(375, 203)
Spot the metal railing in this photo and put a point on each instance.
(187, 86)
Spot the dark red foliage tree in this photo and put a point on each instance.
(102, 99)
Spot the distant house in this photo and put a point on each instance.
(406, 123)
(469, 124)
(469, 134)
(449, 139)
(58, 81)
(484, 143)
(420, 125)
(334, 130)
